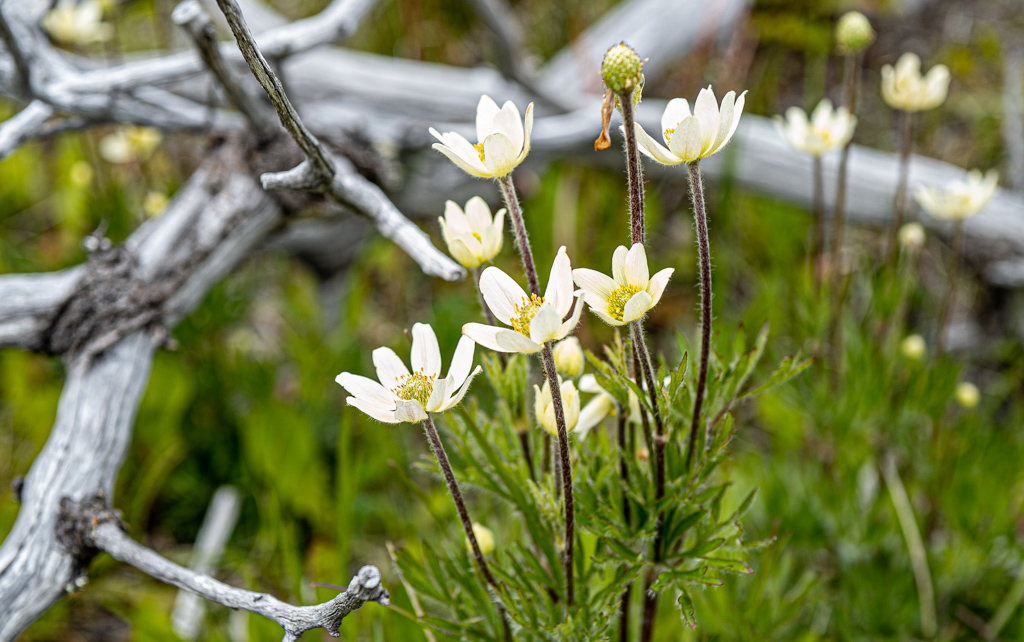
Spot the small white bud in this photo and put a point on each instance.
(912, 236)
(569, 357)
(854, 33)
(967, 395)
(484, 538)
(913, 347)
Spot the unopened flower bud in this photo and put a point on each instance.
(484, 539)
(622, 69)
(643, 454)
(544, 407)
(912, 236)
(569, 357)
(854, 33)
(967, 395)
(913, 347)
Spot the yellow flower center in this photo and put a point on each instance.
(525, 312)
(618, 299)
(415, 387)
(480, 150)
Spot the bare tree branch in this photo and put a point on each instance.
(30, 302)
(28, 123)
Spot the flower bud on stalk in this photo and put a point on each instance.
(569, 357)
(854, 33)
(913, 347)
(912, 236)
(622, 69)
(967, 395)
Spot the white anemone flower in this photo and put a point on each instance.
(504, 141)
(77, 23)
(534, 320)
(472, 236)
(691, 137)
(960, 199)
(601, 407)
(903, 86)
(402, 396)
(544, 406)
(826, 130)
(629, 293)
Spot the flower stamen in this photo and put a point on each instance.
(525, 312)
(480, 151)
(415, 387)
(618, 299)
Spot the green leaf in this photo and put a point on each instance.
(729, 565)
(689, 613)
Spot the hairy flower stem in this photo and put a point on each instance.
(906, 147)
(851, 80)
(515, 212)
(626, 515)
(634, 169)
(524, 441)
(548, 361)
(704, 256)
(954, 283)
(818, 242)
(467, 524)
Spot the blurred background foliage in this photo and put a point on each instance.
(248, 397)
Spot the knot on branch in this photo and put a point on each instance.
(110, 301)
(76, 521)
(365, 587)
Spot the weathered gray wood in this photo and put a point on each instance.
(29, 302)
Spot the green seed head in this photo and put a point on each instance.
(854, 33)
(622, 69)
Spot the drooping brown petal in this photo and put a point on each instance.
(604, 141)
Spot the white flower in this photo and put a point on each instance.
(827, 129)
(404, 397)
(473, 238)
(903, 86)
(569, 360)
(960, 199)
(503, 140)
(77, 23)
(630, 294)
(534, 320)
(912, 236)
(691, 137)
(544, 406)
(913, 347)
(967, 394)
(130, 143)
(601, 406)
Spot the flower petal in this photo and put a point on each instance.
(373, 410)
(528, 132)
(736, 113)
(653, 148)
(686, 141)
(588, 383)
(462, 361)
(724, 120)
(637, 272)
(457, 143)
(367, 389)
(657, 285)
(607, 318)
(500, 339)
(442, 388)
(636, 307)
(500, 156)
(619, 264)
(501, 293)
(510, 123)
(478, 215)
(454, 401)
(486, 110)
(559, 291)
(594, 283)
(455, 219)
(705, 109)
(545, 324)
(596, 411)
(390, 369)
(675, 111)
(566, 328)
(410, 411)
(471, 168)
(426, 355)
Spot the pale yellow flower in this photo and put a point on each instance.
(912, 236)
(903, 86)
(960, 199)
(534, 320)
(484, 539)
(913, 347)
(504, 140)
(78, 23)
(544, 406)
(629, 293)
(82, 174)
(129, 144)
(828, 128)
(401, 396)
(691, 137)
(155, 203)
(569, 360)
(967, 395)
(472, 236)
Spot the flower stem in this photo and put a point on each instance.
(524, 441)
(563, 452)
(704, 256)
(634, 169)
(906, 147)
(818, 243)
(467, 524)
(915, 546)
(851, 79)
(626, 515)
(950, 301)
(515, 212)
